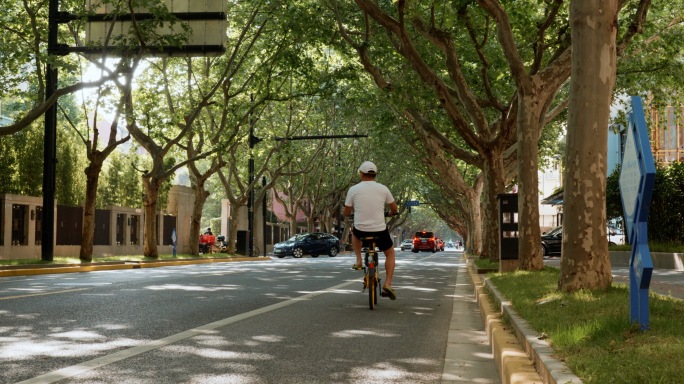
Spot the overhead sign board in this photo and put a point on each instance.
(201, 25)
(412, 203)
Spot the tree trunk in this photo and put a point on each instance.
(88, 233)
(529, 247)
(585, 263)
(474, 235)
(201, 196)
(150, 237)
(233, 230)
(494, 185)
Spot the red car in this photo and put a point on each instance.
(424, 241)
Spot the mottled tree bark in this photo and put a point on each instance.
(585, 263)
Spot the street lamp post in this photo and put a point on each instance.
(50, 141)
(253, 140)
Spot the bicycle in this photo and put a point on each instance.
(371, 267)
(371, 280)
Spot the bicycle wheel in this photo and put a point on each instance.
(377, 288)
(372, 289)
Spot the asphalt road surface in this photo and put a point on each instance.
(279, 321)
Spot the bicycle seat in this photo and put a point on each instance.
(368, 240)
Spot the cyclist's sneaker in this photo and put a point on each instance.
(357, 267)
(389, 292)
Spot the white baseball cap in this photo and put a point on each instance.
(368, 167)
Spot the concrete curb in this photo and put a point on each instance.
(514, 366)
(519, 353)
(552, 370)
(109, 266)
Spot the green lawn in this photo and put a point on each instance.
(591, 332)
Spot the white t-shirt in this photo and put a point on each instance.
(368, 198)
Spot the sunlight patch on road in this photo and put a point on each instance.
(351, 333)
(99, 362)
(193, 288)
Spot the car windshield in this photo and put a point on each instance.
(554, 231)
(294, 238)
(424, 234)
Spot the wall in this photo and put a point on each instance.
(180, 204)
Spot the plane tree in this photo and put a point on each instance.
(222, 126)
(495, 78)
(619, 47)
(450, 104)
(97, 155)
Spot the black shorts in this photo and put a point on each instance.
(383, 240)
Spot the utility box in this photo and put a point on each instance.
(508, 232)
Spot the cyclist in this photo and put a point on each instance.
(366, 200)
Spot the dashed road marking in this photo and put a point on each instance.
(42, 294)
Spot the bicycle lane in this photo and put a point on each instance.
(325, 336)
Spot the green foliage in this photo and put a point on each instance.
(653, 62)
(666, 216)
(22, 160)
(120, 183)
(70, 176)
(613, 197)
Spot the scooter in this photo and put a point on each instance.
(222, 244)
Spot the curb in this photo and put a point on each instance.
(519, 354)
(514, 366)
(109, 266)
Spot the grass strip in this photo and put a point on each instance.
(590, 330)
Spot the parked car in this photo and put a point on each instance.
(314, 244)
(424, 241)
(406, 245)
(552, 240)
(615, 236)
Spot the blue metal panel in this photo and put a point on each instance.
(637, 177)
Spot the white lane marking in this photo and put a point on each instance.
(42, 294)
(89, 365)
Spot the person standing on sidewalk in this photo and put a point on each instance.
(366, 200)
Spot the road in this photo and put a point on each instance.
(279, 321)
(667, 282)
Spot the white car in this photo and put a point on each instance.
(407, 244)
(615, 236)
